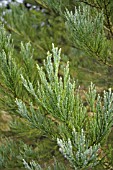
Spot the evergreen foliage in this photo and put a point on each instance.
(44, 101)
(10, 149)
(33, 165)
(85, 32)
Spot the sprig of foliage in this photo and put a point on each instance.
(35, 166)
(54, 94)
(58, 98)
(87, 32)
(78, 152)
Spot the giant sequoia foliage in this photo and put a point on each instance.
(39, 98)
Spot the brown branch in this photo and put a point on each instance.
(89, 4)
(107, 14)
